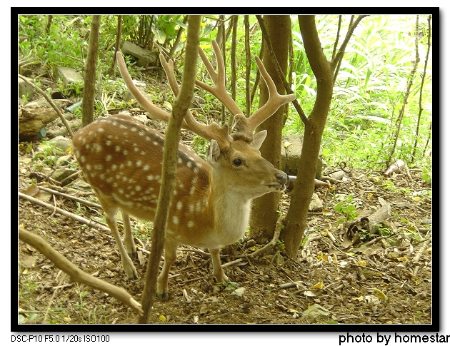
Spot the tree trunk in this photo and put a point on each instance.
(169, 166)
(117, 45)
(248, 64)
(303, 189)
(265, 209)
(89, 73)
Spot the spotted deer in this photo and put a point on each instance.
(121, 159)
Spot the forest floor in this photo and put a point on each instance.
(341, 275)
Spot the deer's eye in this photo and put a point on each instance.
(237, 162)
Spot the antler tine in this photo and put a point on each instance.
(212, 131)
(154, 111)
(219, 89)
(274, 102)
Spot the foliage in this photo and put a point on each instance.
(347, 207)
(368, 92)
(48, 153)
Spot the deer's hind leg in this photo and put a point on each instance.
(110, 210)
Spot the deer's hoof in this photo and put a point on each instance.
(131, 272)
(163, 296)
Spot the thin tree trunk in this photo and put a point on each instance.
(428, 139)
(234, 23)
(117, 45)
(89, 73)
(304, 186)
(265, 209)
(424, 74)
(223, 47)
(258, 76)
(169, 166)
(49, 24)
(177, 39)
(248, 66)
(405, 99)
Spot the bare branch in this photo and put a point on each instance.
(75, 273)
(335, 63)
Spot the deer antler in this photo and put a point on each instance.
(211, 131)
(244, 126)
(219, 89)
(273, 103)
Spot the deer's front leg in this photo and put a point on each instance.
(217, 266)
(170, 254)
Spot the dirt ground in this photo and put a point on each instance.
(339, 277)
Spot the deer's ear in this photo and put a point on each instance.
(214, 151)
(258, 139)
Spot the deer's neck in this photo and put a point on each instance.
(231, 210)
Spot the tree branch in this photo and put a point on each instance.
(337, 38)
(75, 273)
(336, 61)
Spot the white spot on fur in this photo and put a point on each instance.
(190, 224)
(175, 220)
(179, 205)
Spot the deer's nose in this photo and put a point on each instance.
(281, 177)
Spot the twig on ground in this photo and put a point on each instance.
(73, 175)
(228, 264)
(421, 250)
(65, 213)
(83, 201)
